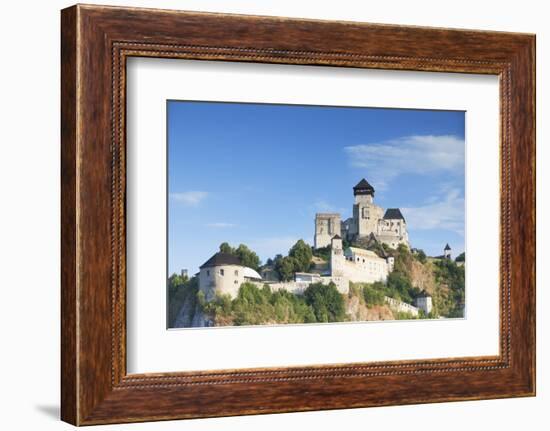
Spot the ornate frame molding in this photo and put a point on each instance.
(96, 41)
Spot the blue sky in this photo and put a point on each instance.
(257, 173)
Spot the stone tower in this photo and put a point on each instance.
(365, 213)
(447, 252)
(327, 225)
(337, 258)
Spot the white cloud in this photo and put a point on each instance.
(445, 211)
(420, 154)
(220, 225)
(190, 198)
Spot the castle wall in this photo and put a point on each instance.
(365, 266)
(369, 271)
(392, 232)
(401, 306)
(299, 287)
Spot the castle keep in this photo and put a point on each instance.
(368, 220)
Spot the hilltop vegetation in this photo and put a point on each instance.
(449, 298)
(413, 272)
(443, 279)
(254, 306)
(181, 290)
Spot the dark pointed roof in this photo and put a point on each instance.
(447, 247)
(336, 237)
(393, 214)
(363, 188)
(221, 259)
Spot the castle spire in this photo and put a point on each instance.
(363, 188)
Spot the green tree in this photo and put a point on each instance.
(420, 256)
(461, 257)
(302, 254)
(327, 303)
(286, 267)
(400, 287)
(322, 252)
(226, 248)
(246, 256)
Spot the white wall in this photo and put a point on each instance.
(29, 220)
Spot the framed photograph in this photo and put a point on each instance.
(267, 215)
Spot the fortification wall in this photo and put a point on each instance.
(369, 271)
(401, 306)
(298, 287)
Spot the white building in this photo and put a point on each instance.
(357, 265)
(424, 302)
(223, 273)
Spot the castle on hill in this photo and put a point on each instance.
(224, 273)
(368, 221)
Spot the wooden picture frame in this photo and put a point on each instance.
(95, 43)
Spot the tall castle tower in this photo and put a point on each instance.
(365, 213)
(368, 219)
(326, 226)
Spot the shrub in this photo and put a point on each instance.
(449, 273)
(373, 294)
(322, 252)
(404, 315)
(327, 303)
(420, 256)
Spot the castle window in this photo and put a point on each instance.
(236, 273)
(222, 272)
